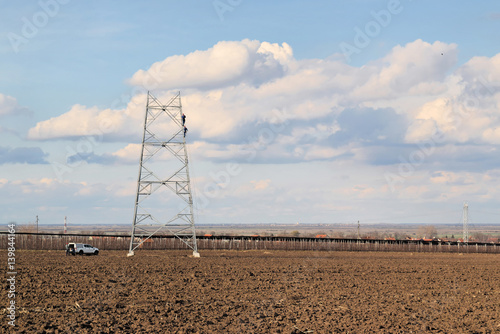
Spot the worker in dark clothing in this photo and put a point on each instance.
(185, 130)
(183, 119)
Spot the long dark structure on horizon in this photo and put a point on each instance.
(57, 241)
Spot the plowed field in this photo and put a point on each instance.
(255, 292)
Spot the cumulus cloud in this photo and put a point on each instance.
(253, 102)
(468, 112)
(130, 153)
(261, 184)
(226, 63)
(9, 106)
(414, 69)
(482, 67)
(81, 121)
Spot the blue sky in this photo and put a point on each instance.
(334, 111)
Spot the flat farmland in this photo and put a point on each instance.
(255, 292)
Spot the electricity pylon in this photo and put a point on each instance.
(163, 200)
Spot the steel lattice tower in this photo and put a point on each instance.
(163, 200)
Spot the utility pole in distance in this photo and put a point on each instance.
(465, 217)
(37, 236)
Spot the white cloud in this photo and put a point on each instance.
(9, 106)
(261, 184)
(468, 111)
(482, 67)
(252, 101)
(492, 135)
(130, 153)
(83, 121)
(53, 199)
(320, 152)
(37, 186)
(453, 178)
(421, 130)
(3, 182)
(224, 64)
(310, 136)
(79, 121)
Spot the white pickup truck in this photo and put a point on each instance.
(80, 249)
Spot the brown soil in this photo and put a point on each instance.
(255, 292)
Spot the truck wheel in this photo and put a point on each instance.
(80, 252)
(96, 253)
